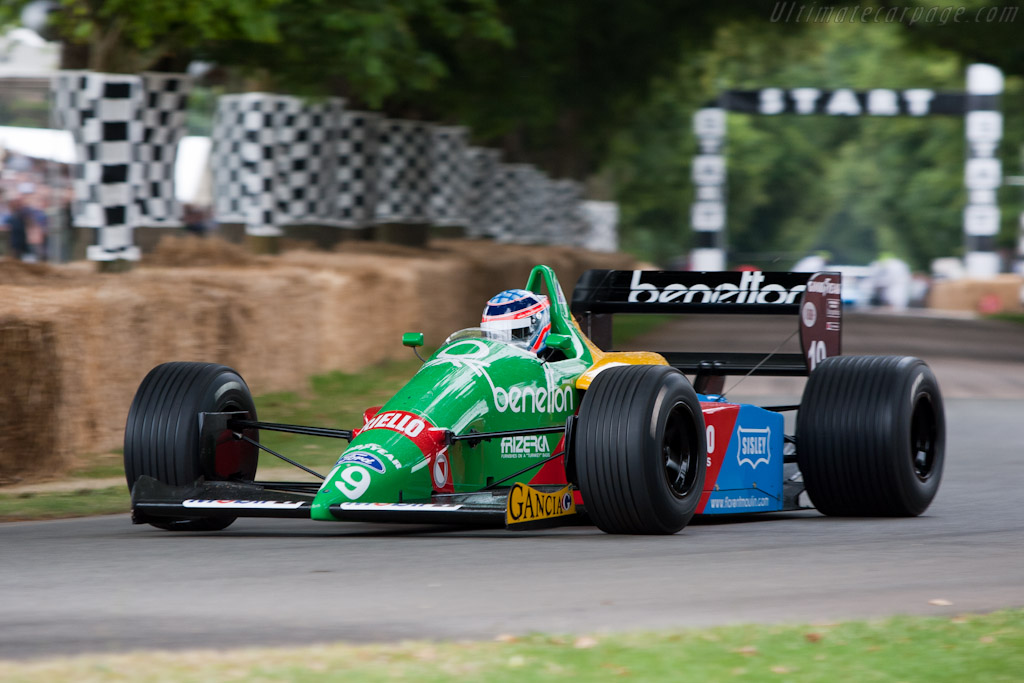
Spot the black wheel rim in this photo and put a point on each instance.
(679, 451)
(923, 438)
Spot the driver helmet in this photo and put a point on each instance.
(518, 316)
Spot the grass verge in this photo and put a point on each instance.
(55, 505)
(970, 647)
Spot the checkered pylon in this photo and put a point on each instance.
(565, 225)
(165, 101)
(102, 112)
(354, 169)
(307, 134)
(533, 185)
(503, 219)
(403, 162)
(449, 176)
(483, 166)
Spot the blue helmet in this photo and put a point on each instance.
(518, 316)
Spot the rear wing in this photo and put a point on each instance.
(814, 298)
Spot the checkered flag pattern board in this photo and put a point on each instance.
(226, 160)
(532, 198)
(506, 202)
(245, 170)
(354, 177)
(482, 163)
(449, 176)
(165, 100)
(102, 113)
(566, 226)
(403, 172)
(306, 158)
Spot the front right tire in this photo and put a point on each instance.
(640, 453)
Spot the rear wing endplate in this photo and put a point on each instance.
(814, 298)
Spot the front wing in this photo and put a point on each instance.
(153, 501)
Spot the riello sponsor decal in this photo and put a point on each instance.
(397, 421)
(750, 290)
(534, 399)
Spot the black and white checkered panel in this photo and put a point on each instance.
(450, 177)
(601, 225)
(262, 114)
(226, 160)
(483, 164)
(532, 198)
(102, 113)
(565, 225)
(354, 171)
(306, 160)
(165, 100)
(506, 206)
(403, 172)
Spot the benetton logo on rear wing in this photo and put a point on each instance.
(815, 297)
(670, 291)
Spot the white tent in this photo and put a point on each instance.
(39, 143)
(191, 168)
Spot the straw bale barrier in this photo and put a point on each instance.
(74, 344)
(1001, 293)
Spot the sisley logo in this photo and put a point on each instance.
(748, 291)
(755, 446)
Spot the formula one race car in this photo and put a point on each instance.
(490, 432)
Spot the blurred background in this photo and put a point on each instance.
(599, 92)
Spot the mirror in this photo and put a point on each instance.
(562, 342)
(412, 339)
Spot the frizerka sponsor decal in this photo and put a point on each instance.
(750, 290)
(526, 504)
(519, 446)
(754, 446)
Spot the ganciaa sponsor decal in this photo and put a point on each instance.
(527, 504)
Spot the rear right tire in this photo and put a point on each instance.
(871, 436)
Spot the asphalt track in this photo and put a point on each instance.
(101, 584)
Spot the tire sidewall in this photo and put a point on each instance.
(674, 391)
(918, 385)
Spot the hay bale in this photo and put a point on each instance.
(77, 343)
(1001, 293)
(32, 378)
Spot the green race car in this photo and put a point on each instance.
(545, 428)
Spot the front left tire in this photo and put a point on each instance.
(161, 438)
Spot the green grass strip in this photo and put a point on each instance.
(964, 648)
(73, 503)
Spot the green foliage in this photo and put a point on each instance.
(796, 185)
(133, 35)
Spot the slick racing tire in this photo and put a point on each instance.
(871, 436)
(161, 438)
(640, 450)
